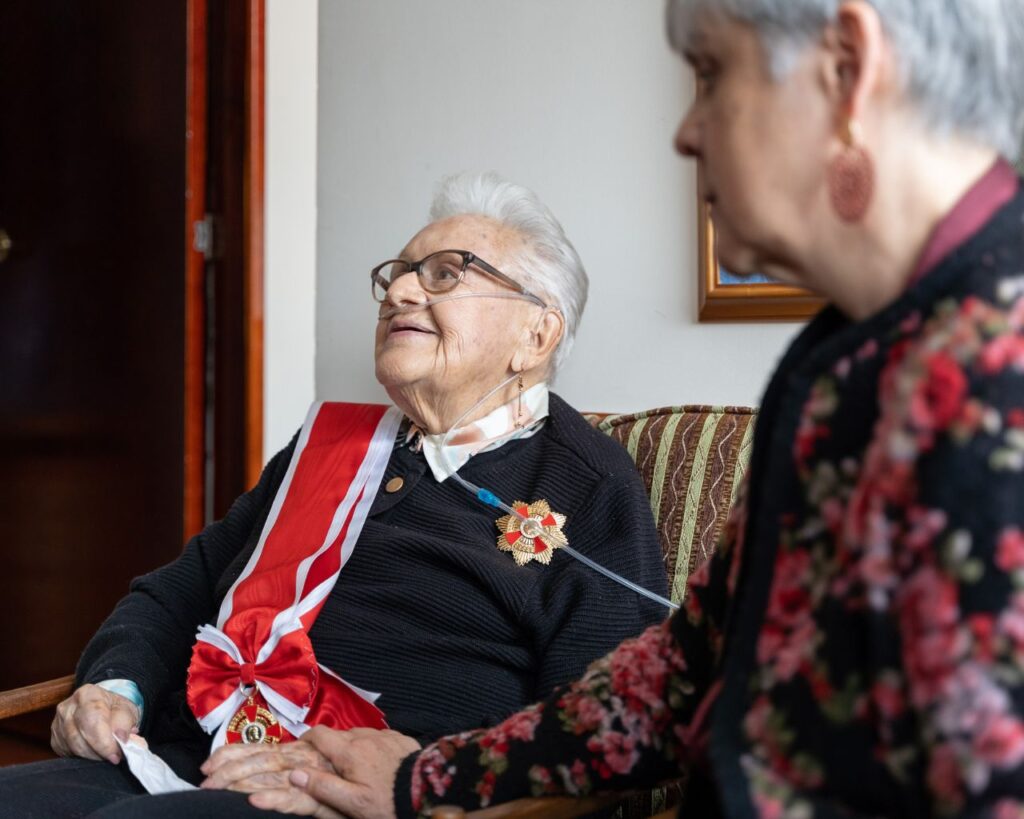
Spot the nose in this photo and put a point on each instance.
(405, 290)
(688, 135)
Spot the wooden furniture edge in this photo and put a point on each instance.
(36, 697)
(544, 807)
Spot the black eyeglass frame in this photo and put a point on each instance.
(468, 258)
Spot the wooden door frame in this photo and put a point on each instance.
(195, 266)
(254, 237)
(199, 421)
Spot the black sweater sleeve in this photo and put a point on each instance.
(148, 637)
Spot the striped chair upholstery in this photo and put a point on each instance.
(692, 460)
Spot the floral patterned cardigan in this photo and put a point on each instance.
(856, 645)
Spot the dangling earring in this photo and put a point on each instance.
(519, 404)
(851, 175)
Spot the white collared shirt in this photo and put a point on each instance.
(494, 430)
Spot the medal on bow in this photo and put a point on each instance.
(254, 724)
(534, 538)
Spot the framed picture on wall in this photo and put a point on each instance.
(723, 296)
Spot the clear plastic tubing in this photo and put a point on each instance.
(488, 497)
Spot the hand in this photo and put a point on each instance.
(366, 761)
(86, 722)
(250, 768)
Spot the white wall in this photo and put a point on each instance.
(290, 285)
(577, 99)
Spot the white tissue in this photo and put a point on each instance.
(153, 773)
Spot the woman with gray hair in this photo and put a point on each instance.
(441, 552)
(856, 645)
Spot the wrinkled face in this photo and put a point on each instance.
(761, 145)
(457, 350)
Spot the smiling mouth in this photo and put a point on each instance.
(408, 328)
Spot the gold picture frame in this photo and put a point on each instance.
(761, 301)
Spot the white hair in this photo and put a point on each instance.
(551, 267)
(962, 60)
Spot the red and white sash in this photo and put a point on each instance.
(260, 644)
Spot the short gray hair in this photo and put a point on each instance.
(962, 60)
(551, 267)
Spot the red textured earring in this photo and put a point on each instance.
(851, 176)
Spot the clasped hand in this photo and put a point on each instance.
(327, 774)
(86, 722)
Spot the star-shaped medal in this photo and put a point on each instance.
(535, 538)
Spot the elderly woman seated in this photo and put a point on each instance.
(412, 551)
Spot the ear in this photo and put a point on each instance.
(540, 342)
(856, 64)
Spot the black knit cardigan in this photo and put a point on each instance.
(427, 611)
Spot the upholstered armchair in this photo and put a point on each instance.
(692, 460)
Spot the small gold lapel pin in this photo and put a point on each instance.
(535, 538)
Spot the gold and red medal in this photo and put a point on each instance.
(534, 538)
(255, 724)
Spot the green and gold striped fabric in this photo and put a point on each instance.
(692, 460)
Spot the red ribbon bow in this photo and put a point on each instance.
(291, 671)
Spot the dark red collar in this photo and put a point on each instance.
(997, 187)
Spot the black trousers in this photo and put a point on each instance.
(74, 788)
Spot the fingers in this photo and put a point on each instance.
(298, 754)
(324, 794)
(248, 768)
(340, 798)
(303, 755)
(96, 718)
(228, 753)
(57, 740)
(228, 770)
(334, 746)
(273, 780)
(290, 800)
(85, 722)
(124, 717)
(363, 755)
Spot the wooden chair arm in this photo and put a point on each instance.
(35, 697)
(551, 807)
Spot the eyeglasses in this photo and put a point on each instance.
(440, 272)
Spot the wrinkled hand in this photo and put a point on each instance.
(86, 722)
(366, 761)
(250, 768)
